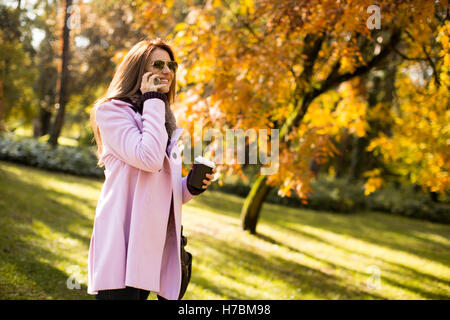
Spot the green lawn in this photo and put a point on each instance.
(46, 223)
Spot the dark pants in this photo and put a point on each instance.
(128, 293)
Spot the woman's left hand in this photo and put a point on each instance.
(207, 182)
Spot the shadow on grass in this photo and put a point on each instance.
(397, 233)
(44, 280)
(414, 273)
(230, 205)
(35, 202)
(377, 228)
(32, 202)
(232, 257)
(91, 181)
(206, 284)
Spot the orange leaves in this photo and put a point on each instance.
(374, 181)
(250, 63)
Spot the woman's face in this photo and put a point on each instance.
(165, 75)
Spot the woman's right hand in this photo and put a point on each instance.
(147, 83)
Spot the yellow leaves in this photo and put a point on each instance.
(332, 171)
(168, 3)
(298, 68)
(359, 128)
(443, 38)
(372, 185)
(420, 140)
(180, 27)
(119, 55)
(373, 182)
(247, 6)
(351, 110)
(217, 3)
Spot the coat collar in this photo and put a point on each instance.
(176, 135)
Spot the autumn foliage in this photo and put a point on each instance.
(297, 66)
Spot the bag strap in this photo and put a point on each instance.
(183, 238)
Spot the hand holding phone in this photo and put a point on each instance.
(148, 82)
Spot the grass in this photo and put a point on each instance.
(46, 224)
(27, 133)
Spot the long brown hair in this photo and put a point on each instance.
(127, 81)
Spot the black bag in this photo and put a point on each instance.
(186, 267)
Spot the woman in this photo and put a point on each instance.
(135, 244)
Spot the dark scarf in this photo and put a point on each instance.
(170, 123)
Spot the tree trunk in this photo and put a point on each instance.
(62, 81)
(253, 203)
(42, 123)
(434, 196)
(342, 159)
(2, 110)
(358, 156)
(45, 117)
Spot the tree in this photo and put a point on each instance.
(100, 34)
(378, 89)
(417, 148)
(63, 72)
(107, 31)
(284, 60)
(17, 72)
(46, 61)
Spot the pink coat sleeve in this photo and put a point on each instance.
(186, 195)
(122, 137)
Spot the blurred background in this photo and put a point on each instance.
(359, 91)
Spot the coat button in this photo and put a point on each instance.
(174, 155)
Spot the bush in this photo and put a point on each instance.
(339, 195)
(330, 195)
(78, 161)
(404, 200)
(86, 138)
(333, 194)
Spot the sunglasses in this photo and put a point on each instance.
(159, 64)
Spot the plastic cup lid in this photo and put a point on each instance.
(206, 162)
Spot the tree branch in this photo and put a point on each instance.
(334, 80)
(311, 52)
(428, 58)
(433, 66)
(406, 57)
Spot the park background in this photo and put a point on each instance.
(359, 208)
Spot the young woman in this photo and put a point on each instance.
(135, 243)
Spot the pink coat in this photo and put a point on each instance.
(129, 245)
